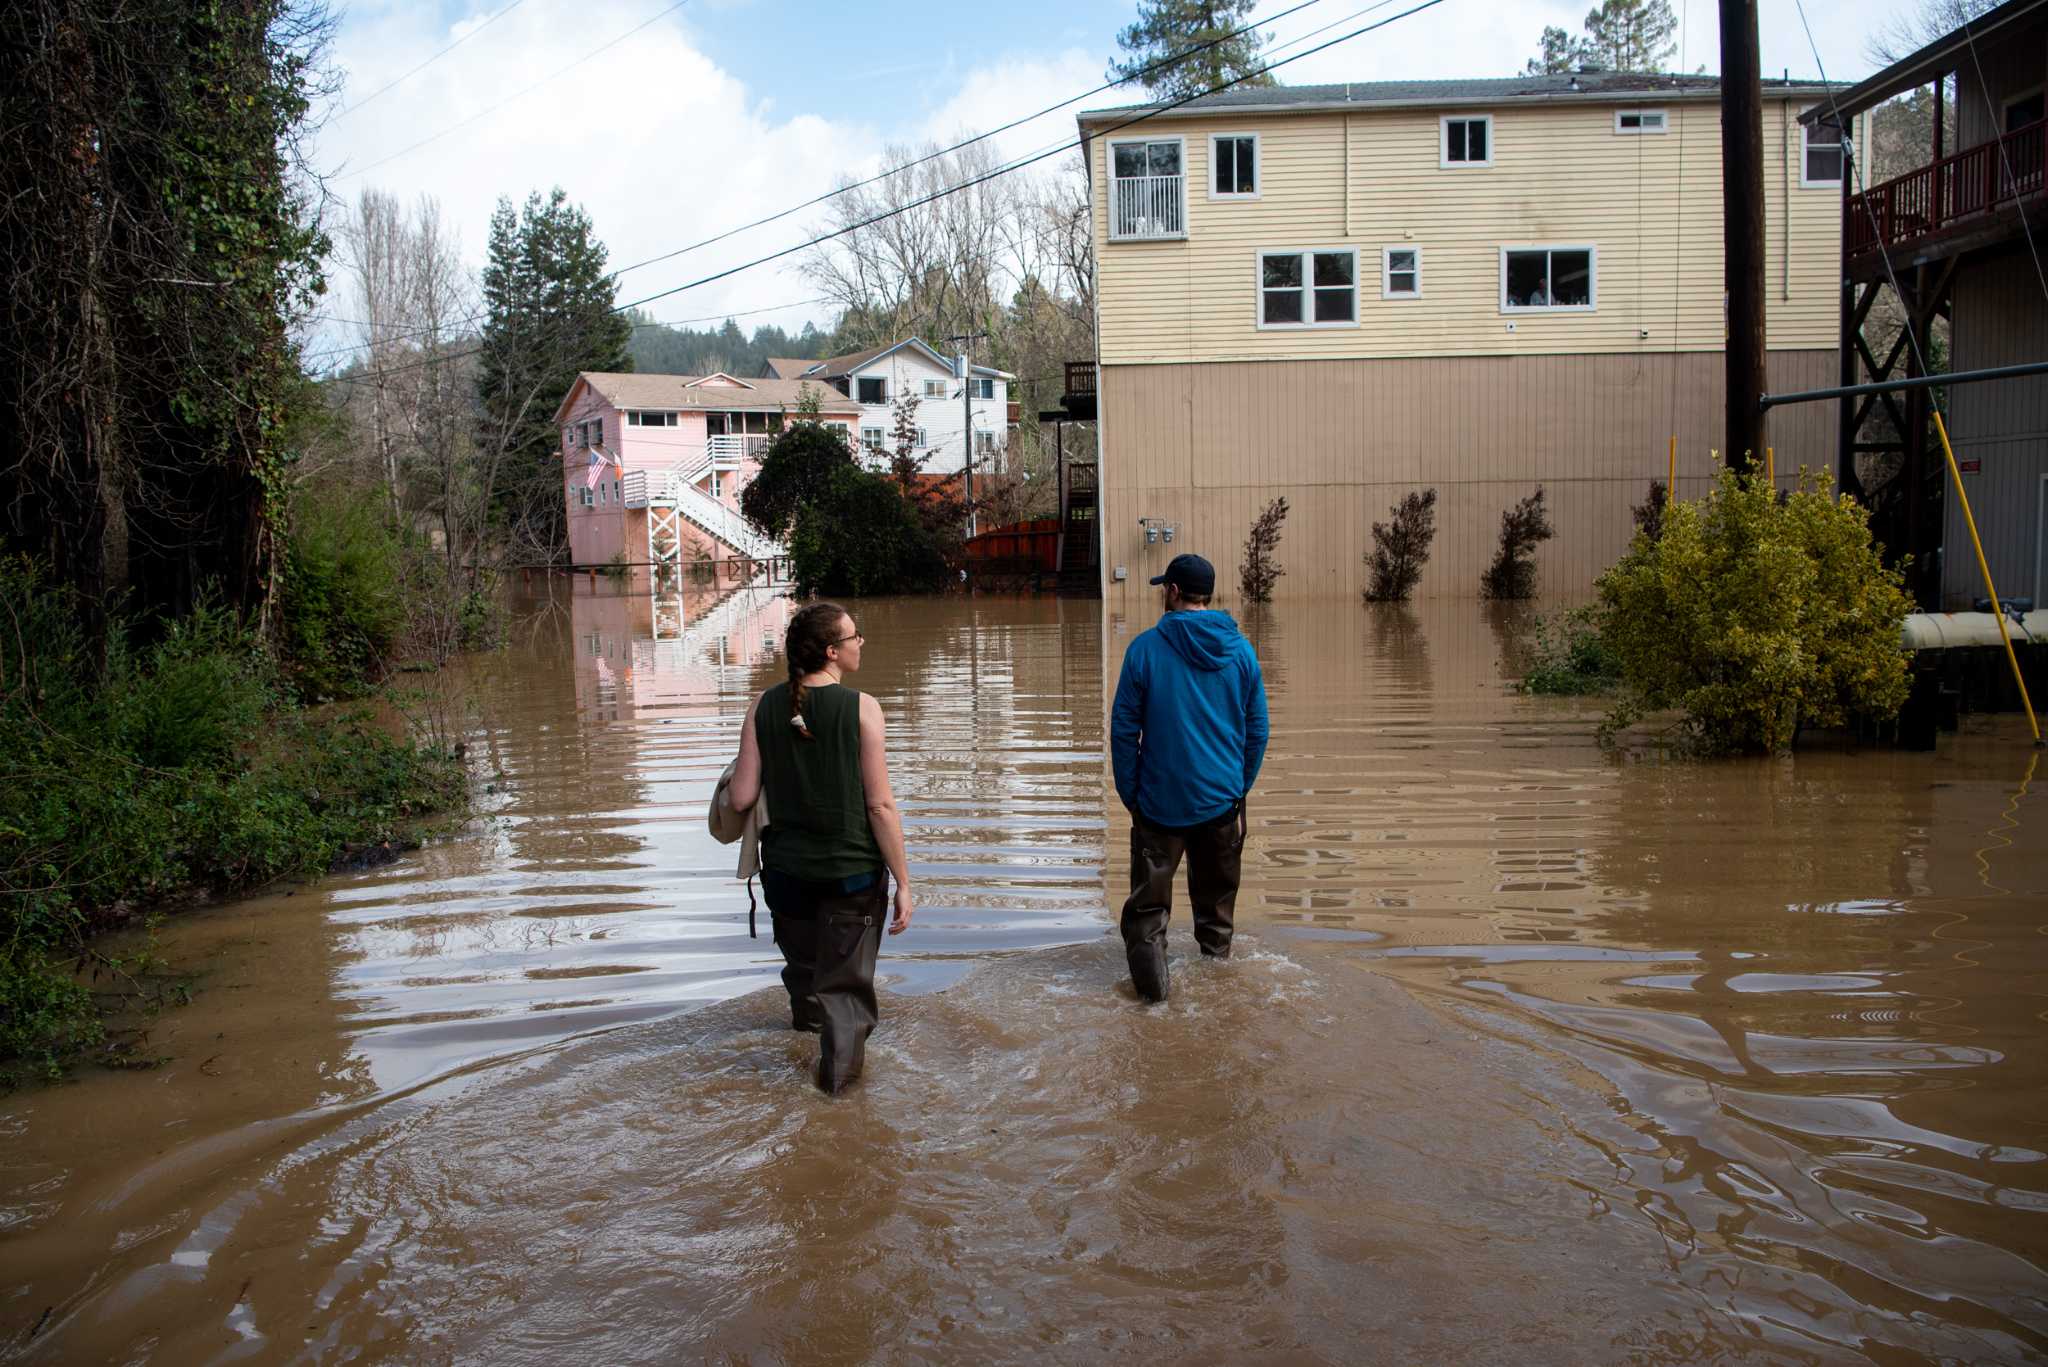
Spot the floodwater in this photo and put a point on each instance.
(1530, 1053)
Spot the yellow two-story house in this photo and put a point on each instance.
(1344, 293)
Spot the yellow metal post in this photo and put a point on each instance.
(1963, 501)
(1771, 466)
(1671, 483)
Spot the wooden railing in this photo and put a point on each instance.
(1080, 379)
(1974, 181)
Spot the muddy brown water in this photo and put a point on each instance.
(1530, 1054)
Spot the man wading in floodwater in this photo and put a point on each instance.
(1185, 738)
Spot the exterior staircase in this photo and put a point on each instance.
(677, 498)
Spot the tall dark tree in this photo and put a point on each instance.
(1168, 27)
(548, 314)
(1620, 35)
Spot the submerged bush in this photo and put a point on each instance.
(1756, 616)
(1256, 577)
(1512, 575)
(341, 613)
(859, 536)
(1400, 548)
(163, 770)
(1570, 657)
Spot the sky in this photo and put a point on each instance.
(700, 116)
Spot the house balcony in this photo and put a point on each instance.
(1078, 398)
(1972, 199)
(1147, 208)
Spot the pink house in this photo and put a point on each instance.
(653, 465)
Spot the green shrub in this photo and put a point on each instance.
(164, 770)
(341, 612)
(1756, 616)
(859, 536)
(1570, 658)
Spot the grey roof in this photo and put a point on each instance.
(1590, 87)
(839, 367)
(639, 389)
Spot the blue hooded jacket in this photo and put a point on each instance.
(1188, 731)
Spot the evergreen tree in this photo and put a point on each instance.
(1620, 35)
(547, 315)
(1167, 27)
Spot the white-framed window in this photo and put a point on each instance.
(1401, 273)
(935, 389)
(871, 388)
(1465, 140)
(1308, 288)
(603, 493)
(1147, 189)
(984, 387)
(1637, 122)
(1233, 166)
(985, 443)
(717, 483)
(924, 439)
(871, 438)
(586, 496)
(1820, 153)
(569, 437)
(637, 417)
(617, 496)
(1556, 278)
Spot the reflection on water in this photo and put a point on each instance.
(1532, 1053)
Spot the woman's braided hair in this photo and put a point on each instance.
(813, 631)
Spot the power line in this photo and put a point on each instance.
(1146, 113)
(969, 142)
(514, 99)
(431, 60)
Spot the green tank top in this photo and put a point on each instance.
(817, 809)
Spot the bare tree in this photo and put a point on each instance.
(1914, 29)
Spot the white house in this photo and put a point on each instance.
(876, 379)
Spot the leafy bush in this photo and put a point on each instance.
(341, 613)
(1755, 616)
(1400, 548)
(163, 770)
(1523, 527)
(1570, 658)
(1649, 514)
(797, 470)
(1256, 576)
(858, 536)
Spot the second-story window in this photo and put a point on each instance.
(1308, 288)
(1467, 140)
(1147, 192)
(871, 389)
(935, 389)
(645, 418)
(1820, 161)
(1556, 278)
(1234, 166)
(984, 388)
(871, 438)
(1636, 122)
(1401, 273)
(924, 440)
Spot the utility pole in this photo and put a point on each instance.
(966, 342)
(1742, 229)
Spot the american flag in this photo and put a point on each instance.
(596, 470)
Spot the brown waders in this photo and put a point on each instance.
(1213, 851)
(829, 939)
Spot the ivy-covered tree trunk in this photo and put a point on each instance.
(155, 237)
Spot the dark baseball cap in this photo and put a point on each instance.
(1189, 574)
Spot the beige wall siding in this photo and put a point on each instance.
(2000, 319)
(1560, 175)
(1207, 446)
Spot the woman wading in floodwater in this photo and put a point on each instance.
(815, 746)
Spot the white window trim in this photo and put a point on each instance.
(1443, 142)
(1308, 289)
(932, 389)
(1111, 176)
(924, 439)
(1258, 167)
(1805, 132)
(1663, 125)
(881, 439)
(1387, 273)
(1592, 252)
(977, 384)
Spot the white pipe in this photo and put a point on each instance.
(1953, 630)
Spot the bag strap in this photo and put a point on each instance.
(752, 933)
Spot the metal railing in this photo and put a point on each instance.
(633, 488)
(1146, 206)
(1973, 181)
(709, 515)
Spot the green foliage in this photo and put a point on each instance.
(1620, 35)
(547, 316)
(1570, 658)
(1257, 575)
(1400, 548)
(1756, 616)
(658, 350)
(860, 536)
(1165, 28)
(174, 768)
(341, 614)
(797, 469)
(1512, 575)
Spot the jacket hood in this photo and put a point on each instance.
(1206, 640)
